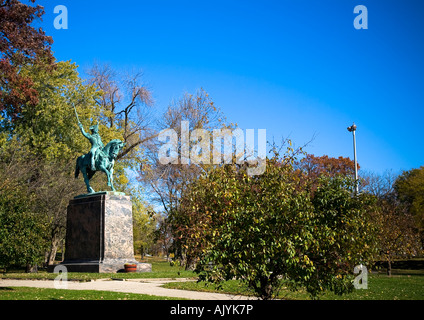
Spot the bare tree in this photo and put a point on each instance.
(397, 235)
(379, 185)
(168, 181)
(128, 104)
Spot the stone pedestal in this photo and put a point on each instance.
(99, 234)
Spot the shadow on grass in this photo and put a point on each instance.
(412, 264)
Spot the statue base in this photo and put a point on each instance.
(113, 193)
(99, 234)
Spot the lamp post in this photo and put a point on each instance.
(352, 129)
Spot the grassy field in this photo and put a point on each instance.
(380, 287)
(404, 284)
(26, 293)
(160, 269)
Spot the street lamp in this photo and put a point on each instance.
(352, 129)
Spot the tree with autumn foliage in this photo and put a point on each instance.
(311, 167)
(40, 139)
(20, 44)
(398, 233)
(410, 190)
(267, 232)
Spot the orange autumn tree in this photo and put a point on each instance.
(311, 168)
(314, 166)
(20, 44)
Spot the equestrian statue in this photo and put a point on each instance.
(99, 158)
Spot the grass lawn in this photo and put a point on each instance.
(26, 293)
(403, 285)
(380, 287)
(160, 269)
(406, 283)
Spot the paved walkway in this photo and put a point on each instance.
(144, 286)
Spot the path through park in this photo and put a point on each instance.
(141, 286)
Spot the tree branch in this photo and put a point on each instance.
(131, 147)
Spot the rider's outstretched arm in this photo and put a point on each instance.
(87, 135)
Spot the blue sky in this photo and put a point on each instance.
(295, 68)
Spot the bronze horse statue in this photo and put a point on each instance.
(104, 159)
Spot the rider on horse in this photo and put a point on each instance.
(96, 143)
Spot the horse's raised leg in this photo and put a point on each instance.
(111, 179)
(108, 175)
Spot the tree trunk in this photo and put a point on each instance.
(31, 268)
(63, 250)
(51, 254)
(389, 266)
(142, 252)
(265, 288)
